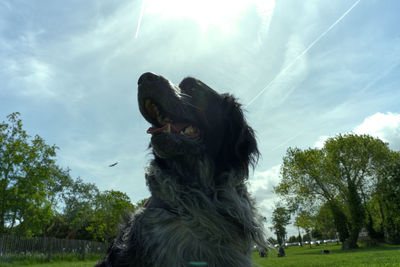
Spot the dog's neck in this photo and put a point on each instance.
(187, 171)
(170, 180)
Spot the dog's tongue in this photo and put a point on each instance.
(169, 127)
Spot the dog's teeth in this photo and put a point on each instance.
(189, 130)
(167, 120)
(168, 128)
(156, 109)
(159, 119)
(147, 103)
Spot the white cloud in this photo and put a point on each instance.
(384, 126)
(261, 187)
(321, 141)
(37, 78)
(31, 77)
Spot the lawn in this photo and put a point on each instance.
(384, 255)
(58, 264)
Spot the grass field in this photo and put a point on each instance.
(384, 255)
(58, 264)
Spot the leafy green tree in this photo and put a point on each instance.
(39, 198)
(292, 239)
(352, 162)
(27, 180)
(79, 205)
(110, 208)
(340, 174)
(307, 237)
(324, 222)
(387, 195)
(280, 219)
(305, 185)
(304, 220)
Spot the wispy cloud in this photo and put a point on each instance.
(261, 186)
(140, 19)
(300, 55)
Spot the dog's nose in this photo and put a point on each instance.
(148, 77)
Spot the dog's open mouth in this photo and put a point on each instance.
(166, 123)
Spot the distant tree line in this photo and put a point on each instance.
(39, 198)
(353, 182)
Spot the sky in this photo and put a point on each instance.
(303, 70)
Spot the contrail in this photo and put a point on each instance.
(285, 142)
(304, 52)
(383, 74)
(140, 19)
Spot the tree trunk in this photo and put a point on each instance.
(357, 213)
(340, 221)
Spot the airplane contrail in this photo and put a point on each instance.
(140, 19)
(286, 141)
(383, 74)
(304, 52)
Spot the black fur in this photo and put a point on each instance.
(200, 209)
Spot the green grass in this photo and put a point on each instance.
(57, 264)
(42, 261)
(383, 255)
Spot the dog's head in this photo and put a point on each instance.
(192, 121)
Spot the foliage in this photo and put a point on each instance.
(39, 198)
(387, 198)
(342, 174)
(324, 222)
(28, 179)
(280, 219)
(110, 207)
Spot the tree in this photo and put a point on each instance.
(110, 208)
(324, 222)
(340, 174)
(39, 198)
(293, 239)
(305, 220)
(79, 204)
(387, 195)
(280, 219)
(305, 185)
(27, 175)
(353, 162)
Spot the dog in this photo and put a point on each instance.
(200, 212)
(325, 251)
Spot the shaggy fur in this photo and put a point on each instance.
(200, 211)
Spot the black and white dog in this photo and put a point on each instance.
(200, 212)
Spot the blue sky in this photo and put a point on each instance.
(304, 70)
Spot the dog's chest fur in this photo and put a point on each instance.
(171, 240)
(196, 227)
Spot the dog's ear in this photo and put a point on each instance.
(239, 148)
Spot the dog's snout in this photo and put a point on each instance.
(148, 77)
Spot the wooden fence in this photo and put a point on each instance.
(48, 246)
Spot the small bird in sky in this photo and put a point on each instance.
(112, 165)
